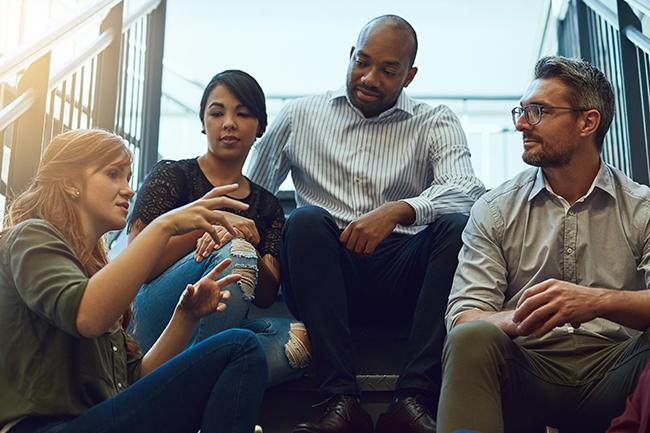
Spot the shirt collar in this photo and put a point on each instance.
(404, 103)
(602, 181)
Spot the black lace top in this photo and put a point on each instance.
(172, 184)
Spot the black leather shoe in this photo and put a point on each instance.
(343, 414)
(408, 416)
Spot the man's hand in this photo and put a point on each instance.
(363, 235)
(553, 303)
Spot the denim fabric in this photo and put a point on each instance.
(155, 303)
(215, 386)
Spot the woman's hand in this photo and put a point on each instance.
(205, 296)
(201, 214)
(245, 226)
(206, 244)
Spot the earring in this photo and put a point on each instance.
(77, 193)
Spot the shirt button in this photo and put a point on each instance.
(569, 250)
(119, 385)
(114, 348)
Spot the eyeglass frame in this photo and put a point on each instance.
(524, 112)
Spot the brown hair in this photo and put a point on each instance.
(65, 159)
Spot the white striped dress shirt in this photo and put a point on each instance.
(348, 164)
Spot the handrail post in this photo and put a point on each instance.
(108, 68)
(153, 87)
(27, 142)
(633, 96)
(583, 31)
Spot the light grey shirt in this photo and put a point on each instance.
(521, 234)
(351, 165)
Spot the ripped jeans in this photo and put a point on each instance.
(155, 302)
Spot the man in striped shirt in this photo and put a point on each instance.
(383, 185)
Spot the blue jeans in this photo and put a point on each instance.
(155, 303)
(215, 386)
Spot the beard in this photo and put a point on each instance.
(545, 157)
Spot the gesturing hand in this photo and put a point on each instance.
(201, 214)
(205, 296)
(553, 303)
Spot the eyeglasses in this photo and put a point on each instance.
(533, 112)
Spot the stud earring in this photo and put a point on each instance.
(77, 193)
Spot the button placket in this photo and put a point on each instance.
(570, 241)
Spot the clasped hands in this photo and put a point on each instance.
(550, 304)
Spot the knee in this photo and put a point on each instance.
(243, 258)
(246, 342)
(298, 348)
(244, 264)
(453, 224)
(475, 343)
(448, 229)
(306, 220)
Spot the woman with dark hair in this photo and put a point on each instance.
(233, 114)
(66, 363)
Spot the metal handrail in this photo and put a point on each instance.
(638, 38)
(12, 62)
(103, 41)
(604, 11)
(16, 108)
(640, 5)
(144, 10)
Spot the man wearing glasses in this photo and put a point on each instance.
(548, 309)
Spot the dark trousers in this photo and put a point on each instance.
(407, 280)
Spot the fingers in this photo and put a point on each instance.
(214, 273)
(534, 290)
(204, 246)
(345, 236)
(220, 190)
(537, 319)
(228, 279)
(224, 202)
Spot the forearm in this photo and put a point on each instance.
(177, 247)
(403, 213)
(627, 308)
(171, 342)
(500, 319)
(268, 281)
(110, 291)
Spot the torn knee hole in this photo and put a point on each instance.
(297, 348)
(247, 282)
(242, 248)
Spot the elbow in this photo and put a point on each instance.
(90, 327)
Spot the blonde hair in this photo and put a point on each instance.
(65, 159)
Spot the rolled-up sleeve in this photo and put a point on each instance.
(454, 188)
(480, 281)
(48, 276)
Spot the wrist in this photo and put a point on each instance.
(402, 213)
(184, 316)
